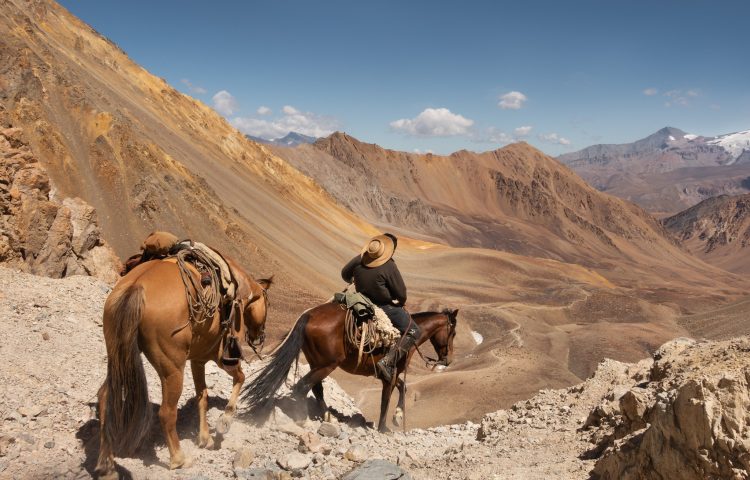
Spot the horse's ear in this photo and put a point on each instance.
(266, 282)
(454, 316)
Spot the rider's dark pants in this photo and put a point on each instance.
(401, 319)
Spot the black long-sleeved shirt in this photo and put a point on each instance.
(381, 284)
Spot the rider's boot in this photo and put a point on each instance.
(386, 367)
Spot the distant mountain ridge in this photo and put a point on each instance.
(291, 139)
(669, 170)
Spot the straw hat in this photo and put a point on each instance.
(377, 251)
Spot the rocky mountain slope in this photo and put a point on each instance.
(718, 230)
(38, 232)
(669, 170)
(681, 415)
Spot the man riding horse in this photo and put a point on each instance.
(375, 275)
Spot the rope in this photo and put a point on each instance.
(202, 301)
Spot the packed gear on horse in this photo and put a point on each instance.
(375, 274)
(215, 290)
(367, 327)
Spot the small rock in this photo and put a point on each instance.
(45, 336)
(357, 453)
(30, 411)
(328, 429)
(49, 444)
(377, 470)
(243, 459)
(255, 474)
(310, 442)
(295, 461)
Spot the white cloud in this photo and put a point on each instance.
(292, 120)
(416, 150)
(225, 103)
(193, 88)
(680, 98)
(522, 131)
(434, 122)
(263, 110)
(553, 138)
(512, 100)
(650, 92)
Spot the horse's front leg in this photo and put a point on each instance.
(385, 399)
(398, 415)
(225, 421)
(201, 395)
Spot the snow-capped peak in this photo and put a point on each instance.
(734, 143)
(690, 136)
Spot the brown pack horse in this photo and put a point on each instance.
(147, 312)
(319, 334)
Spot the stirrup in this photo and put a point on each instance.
(384, 371)
(232, 352)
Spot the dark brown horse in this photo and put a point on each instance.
(147, 312)
(319, 334)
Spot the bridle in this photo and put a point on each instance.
(257, 346)
(434, 362)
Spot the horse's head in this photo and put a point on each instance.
(442, 340)
(256, 310)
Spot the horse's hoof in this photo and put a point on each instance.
(225, 421)
(180, 462)
(327, 416)
(398, 418)
(110, 475)
(207, 443)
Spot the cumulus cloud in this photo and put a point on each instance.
(522, 131)
(553, 138)
(512, 100)
(192, 88)
(434, 122)
(291, 120)
(650, 92)
(263, 110)
(225, 103)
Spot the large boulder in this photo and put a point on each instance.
(689, 421)
(39, 234)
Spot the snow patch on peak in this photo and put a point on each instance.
(690, 136)
(671, 138)
(733, 143)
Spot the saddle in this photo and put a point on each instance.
(216, 289)
(367, 327)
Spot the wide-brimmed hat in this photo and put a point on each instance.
(377, 251)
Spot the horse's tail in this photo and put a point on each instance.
(127, 415)
(260, 391)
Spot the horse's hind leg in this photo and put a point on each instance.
(225, 421)
(105, 465)
(171, 388)
(317, 390)
(314, 377)
(201, 395)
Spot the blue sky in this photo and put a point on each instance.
(441, 76)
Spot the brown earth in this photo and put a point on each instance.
(717, 230)
(553, 274)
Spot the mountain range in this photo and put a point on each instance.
(553, 274)
(291, 139)
(669, 170)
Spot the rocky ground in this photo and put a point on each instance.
(53, 361)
